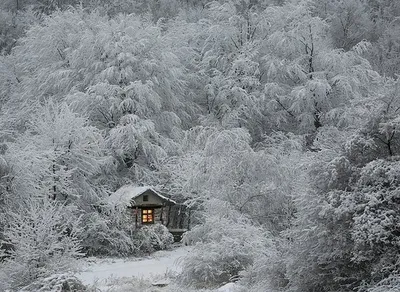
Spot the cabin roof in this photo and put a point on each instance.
(126, 194)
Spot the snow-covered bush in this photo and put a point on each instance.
(55, 283)
(267, 273)
(113, 232)
(130, 284)
(390, 284)
(225, 245)
(43, 236)
(346, 234)
(376, 230)
(13, 26)
(108, 232)
(153, 237)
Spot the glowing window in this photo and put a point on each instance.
(147, 216)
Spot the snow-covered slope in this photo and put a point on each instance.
(138, 274)
(156, 266)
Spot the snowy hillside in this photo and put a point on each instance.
(264, 134)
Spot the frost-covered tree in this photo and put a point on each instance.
(212, 263)
(377, 136)
(42, 237)
(13, 26)
(350, 21)
(308, 81)
(56, 154)
(226, 52)
(222, 165)
(39, 6)
(120, 72)
(385, 53)
(213, 102)
(62, 158)
(374, 21)
(228, 58)
(344, 226)
(224, 180)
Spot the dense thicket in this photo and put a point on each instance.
(275, 121)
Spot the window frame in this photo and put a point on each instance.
(146, 215)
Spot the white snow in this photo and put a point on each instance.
(124, 195)
(140, 274)
(229, 287)
(156, 267)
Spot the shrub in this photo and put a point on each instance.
(108, 233)
(390, 284)
(153, 237)
(112, 232)
(224, 247)
(43, 236)
(55, 283)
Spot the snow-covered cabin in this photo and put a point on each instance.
(146, 204)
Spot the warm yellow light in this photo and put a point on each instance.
(147, 215)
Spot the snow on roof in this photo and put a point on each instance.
(127, 193)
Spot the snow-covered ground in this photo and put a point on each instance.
(136, 274)
(156, 267)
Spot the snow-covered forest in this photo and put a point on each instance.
(276, 123)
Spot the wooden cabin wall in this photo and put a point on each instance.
(157, 216)
(160, 216)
